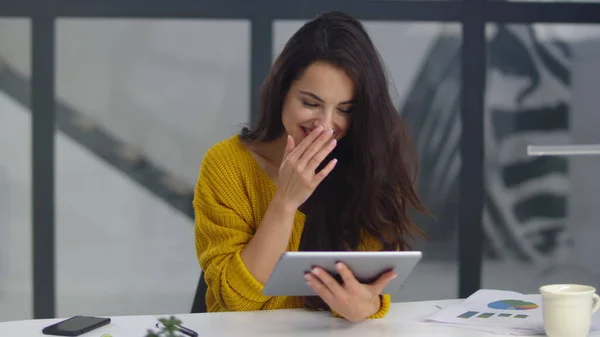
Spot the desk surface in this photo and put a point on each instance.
(402, 320)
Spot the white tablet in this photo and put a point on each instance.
(287, 278)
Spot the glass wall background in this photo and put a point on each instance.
(15, 167)
(540, 211)
(146, 99)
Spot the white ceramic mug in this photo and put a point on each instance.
(568, 308)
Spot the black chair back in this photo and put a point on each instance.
(199, 304)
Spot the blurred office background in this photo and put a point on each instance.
(140, 101)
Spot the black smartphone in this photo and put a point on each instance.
(75, 326)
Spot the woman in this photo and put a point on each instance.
(327, 168)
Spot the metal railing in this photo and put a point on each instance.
(472, 14)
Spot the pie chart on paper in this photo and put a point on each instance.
(512, 305)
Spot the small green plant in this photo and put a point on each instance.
(169, 328)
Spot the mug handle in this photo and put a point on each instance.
(596, 304)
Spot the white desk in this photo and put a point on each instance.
(402, 320)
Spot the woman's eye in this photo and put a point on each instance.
(310, 105)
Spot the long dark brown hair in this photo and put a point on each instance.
(371, 189)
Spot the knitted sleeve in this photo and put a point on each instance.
(222, 229)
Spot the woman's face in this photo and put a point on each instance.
(323, 95)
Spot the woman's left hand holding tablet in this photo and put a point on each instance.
(351, 299)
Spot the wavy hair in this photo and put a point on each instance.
(371, 189)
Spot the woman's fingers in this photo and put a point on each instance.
(295, 182)
(289, 146)
(318, 157)
(314, 149)
(298, 152)
(350, 282)
(382, 281)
